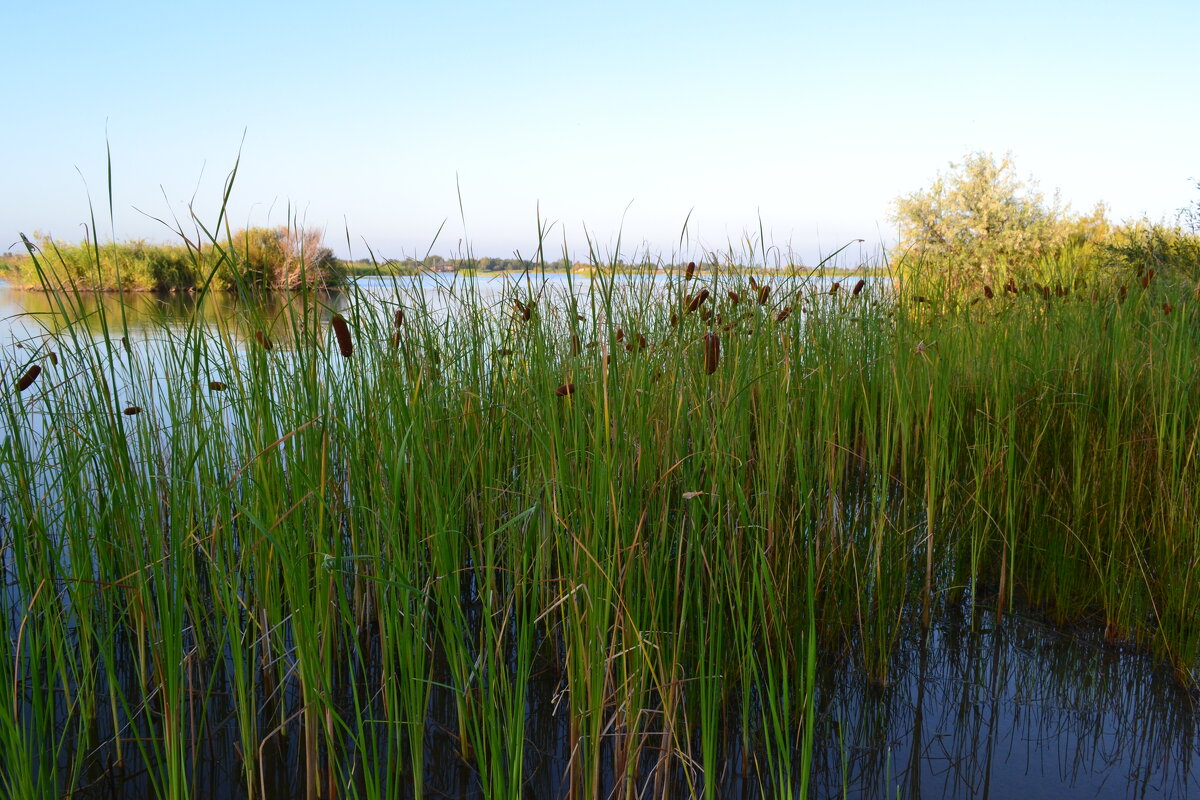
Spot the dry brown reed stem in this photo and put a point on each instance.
(763, 293)
(858, 287)
(216, 386)
(782, 315)
(566, 390)
(131, 410)
(691, 270)
(28, 378)
(342, 331)
(695, 301)
(576, 347)
(712, 352)
(987, 292)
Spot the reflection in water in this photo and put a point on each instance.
(1022, 711)
(1018, 711)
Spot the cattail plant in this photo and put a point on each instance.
(712, 352)
(341, 330)
(28, 378)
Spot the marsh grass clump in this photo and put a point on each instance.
(361, 575)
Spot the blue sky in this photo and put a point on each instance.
(608, 119)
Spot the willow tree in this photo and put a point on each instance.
(979, 223)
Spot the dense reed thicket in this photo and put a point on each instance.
(287, 257)
(665, 498)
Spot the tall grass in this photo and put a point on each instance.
(661, 496)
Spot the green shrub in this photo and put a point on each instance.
(981, 225)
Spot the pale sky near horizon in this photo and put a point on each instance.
(607, 119)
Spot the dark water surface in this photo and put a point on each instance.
(1014, 709)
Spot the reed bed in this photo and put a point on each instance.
(350, 538)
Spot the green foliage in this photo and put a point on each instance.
(260, 258)
(980, 224)
(1169, 250)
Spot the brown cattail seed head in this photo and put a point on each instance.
(263, 341)
(216, 386)
(782, 315)
(987, 292)
(763, 293)
(53, 359)
(712, 352)
(131, 410)
(566, 390)
(399, 317)
(697, 299)
(858, 287)
(691, 270)
(28, 378)
(733, 296)
(342, 331)
(834, 288)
